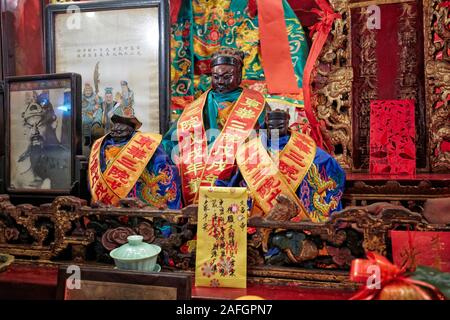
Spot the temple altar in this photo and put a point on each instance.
(365, 81)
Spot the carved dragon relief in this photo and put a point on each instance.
(332, 87)
(437, 81)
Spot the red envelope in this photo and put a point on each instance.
(392, 136)
(421, 248)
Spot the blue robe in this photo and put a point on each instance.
(323, 169)
(159, 184)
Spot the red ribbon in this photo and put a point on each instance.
(275, 50)
(319, 33)
(252, 8)
(445, 4)
(389, 273)
(175, 6)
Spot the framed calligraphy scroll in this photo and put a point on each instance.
(221, 254)
(121, 49)
(42, 125)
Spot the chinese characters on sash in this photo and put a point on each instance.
(267, 180)
(198, 167)
(122, 174)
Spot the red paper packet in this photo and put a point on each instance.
(392, 137)
(421, 248)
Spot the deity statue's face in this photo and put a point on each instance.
(109, 98)
(36, 131)
(277, 121)
(38, 125)
(29, 98)
(121, 131)
(88, 90)
(225, 78)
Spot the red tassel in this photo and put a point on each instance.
(175, 6)
(252, 8)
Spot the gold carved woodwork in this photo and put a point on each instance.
(407, 82)
(333, 85)
(437, 81)
(368, 85)
(334, 74)
(65, 211)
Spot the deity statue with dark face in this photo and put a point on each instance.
(302, 173)
(126, 163)
(227, 114)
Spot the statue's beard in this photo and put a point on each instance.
(120, 137)
(35, 155)
(221, 89)
(37, 141)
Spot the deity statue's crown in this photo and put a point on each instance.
(228, 56)
(278, 114)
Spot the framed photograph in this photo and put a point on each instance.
(121, 50)
(42, 125)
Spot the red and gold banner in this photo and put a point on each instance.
(122, 173)
(197, 166)
(266, 180)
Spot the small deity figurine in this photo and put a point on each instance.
(102, 123)
(288, 163)
(206, 136)
(126, 163)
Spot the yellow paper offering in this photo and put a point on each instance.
(221, 258)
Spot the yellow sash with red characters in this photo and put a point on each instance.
(267, 180)
(198, 167)
(124, 170)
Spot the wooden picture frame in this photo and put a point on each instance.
(108, 284)
(124, 62)
(41, 112)
(2, 134)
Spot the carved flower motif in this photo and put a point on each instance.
(146, 230)
(340, 256)
(11, 234)
(120, 234)
(113, 238)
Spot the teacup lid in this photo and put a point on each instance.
(135, 249)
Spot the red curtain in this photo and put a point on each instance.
(25, 36)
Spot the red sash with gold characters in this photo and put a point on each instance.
(123, 172)
(266, 180)
(198, 167)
